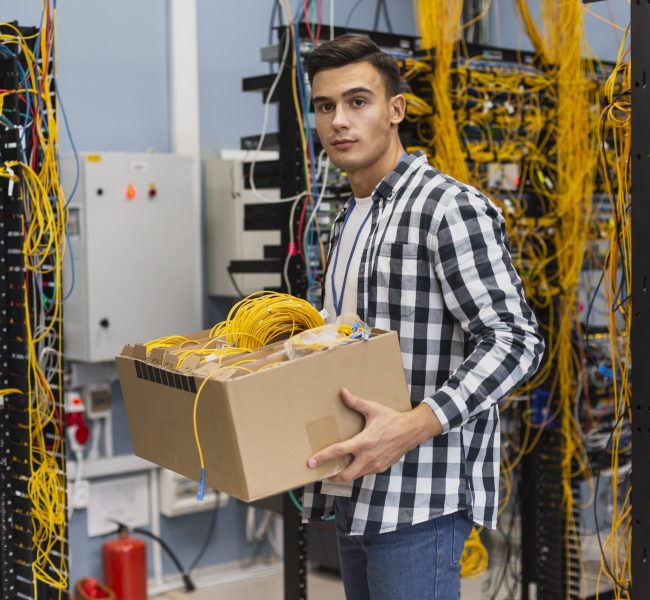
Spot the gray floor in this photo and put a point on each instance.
(268, 585)
(321, 586)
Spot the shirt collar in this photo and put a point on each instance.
(388, 187)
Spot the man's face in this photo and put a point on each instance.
(354, 115)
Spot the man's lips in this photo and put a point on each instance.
(343, 144)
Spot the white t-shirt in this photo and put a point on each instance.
(358, 222)
(358, 218)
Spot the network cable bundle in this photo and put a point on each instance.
(33, 522)
(546, 135)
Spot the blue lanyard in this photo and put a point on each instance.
(338, 301)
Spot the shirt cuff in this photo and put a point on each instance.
(450, 410)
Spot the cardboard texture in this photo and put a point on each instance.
(256, 430)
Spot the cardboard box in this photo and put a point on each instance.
(256, 430)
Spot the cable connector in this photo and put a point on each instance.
(12, 180)
(201, 491)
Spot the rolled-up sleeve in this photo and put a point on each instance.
(483, 292)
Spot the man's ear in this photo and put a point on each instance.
(397, 109)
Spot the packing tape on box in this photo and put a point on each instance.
(324, 432)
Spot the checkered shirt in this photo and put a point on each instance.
(436, 269)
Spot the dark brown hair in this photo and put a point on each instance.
(353, 48)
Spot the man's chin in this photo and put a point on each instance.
(346, 163)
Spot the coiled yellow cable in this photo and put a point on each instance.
(475, 560)
(265, 316)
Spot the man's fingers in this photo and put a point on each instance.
(349, 474)
(355, 403)
(354, 444)
(333, 451)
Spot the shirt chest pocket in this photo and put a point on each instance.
(403, 279)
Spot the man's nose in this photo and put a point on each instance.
(340, 120)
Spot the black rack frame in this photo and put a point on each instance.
(640, 43)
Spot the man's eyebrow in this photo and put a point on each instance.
(350, 92)
(320, 99)
(357, 90)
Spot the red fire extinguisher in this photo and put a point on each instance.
(125, 566)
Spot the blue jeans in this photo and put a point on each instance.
(419, 562)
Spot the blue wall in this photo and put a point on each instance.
(230, 37)
(602, 39)
(112, 70)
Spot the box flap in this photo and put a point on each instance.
(156, 356)
(140, 351)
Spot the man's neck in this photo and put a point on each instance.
(364, 181)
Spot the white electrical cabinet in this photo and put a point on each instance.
(226, 199)
(134, 236)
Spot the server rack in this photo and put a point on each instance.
(17, 550)
(640, 409)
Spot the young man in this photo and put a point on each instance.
(417, 252)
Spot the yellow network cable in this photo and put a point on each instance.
(265, 316)
(475, 560)
(8, 391)
(216, 355)
(531, 29)
(253, 322)
(195, 425)
(616, 120)
(166, 342)
(575, 159)
(439, 29)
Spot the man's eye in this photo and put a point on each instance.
(358, 101)
(325, 108)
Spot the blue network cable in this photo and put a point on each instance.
(74, 189)
(24, 76)
(72, 269)
(74, 148)
(303, 95)
(311, 232)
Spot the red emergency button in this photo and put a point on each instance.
(130, 192)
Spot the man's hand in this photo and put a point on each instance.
(387, 436)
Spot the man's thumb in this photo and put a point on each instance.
(354, 402)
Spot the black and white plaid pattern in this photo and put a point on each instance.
(436, 269)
